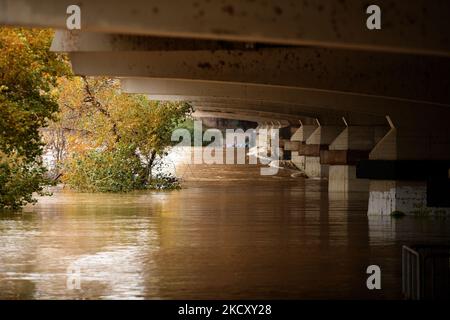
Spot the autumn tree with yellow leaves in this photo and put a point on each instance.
(28, 75)
(102, 139)
(110, 139)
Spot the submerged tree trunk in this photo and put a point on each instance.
(150, 165)
(146, 175)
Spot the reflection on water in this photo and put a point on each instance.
(229, 233)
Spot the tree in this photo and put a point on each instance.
(28, 74)
(112, 139)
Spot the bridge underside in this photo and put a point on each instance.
(353, 97)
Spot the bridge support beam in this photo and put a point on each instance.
(264, 142)
(319, 140)
(353, 144)
(335, 71)
(338, 24)
(300, 136)
(409, 171)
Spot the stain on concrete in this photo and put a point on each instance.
(204, 65)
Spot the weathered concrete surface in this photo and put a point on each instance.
(430, 142)
(354, 140)
(342, 179)
(291, 145)
(199, 113)
(303, 132)
(322, 137)
(82, 41)
(359, 138)
(384, 75)
(325, 135)
(301, 135)
(413, 26)
(406, 197)
(403, 112)
(279, 110)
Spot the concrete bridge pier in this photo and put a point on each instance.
(264, 142)
(261, 138)
(319, 140)
(286, 144)
(298, 140)
(409, 171)
(353, 144)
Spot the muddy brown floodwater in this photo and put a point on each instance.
(229, 233)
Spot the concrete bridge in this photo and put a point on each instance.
(370, 109)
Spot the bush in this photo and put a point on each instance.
(18, 181)
(104, 171)
(164, 181)
(118, 170)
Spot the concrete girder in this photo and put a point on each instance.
(352, 145)
(414, 78)
(325, 135)
(299, 115)
(286, 111)
(242, 116)
(300, 136)
(292, 119)
(359, 138)
(293, 111)
(414, 26)
(320, 139)
(304, 132)
(413, 144)
(402, 112)
(82, 41)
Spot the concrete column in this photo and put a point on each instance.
(262, 142)
(289, 147)
(353, 144)
(414, 177)
(297, 140)
(319, 140)
(276, 125)
(264, 138)
(285, 142)
(271, 127)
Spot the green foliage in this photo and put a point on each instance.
(188, 124)
(16, 182)
(104, 171)
(28, 74)
(163, 181)
(113, 139)
(149, 124)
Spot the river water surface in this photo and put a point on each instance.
(229, 233)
